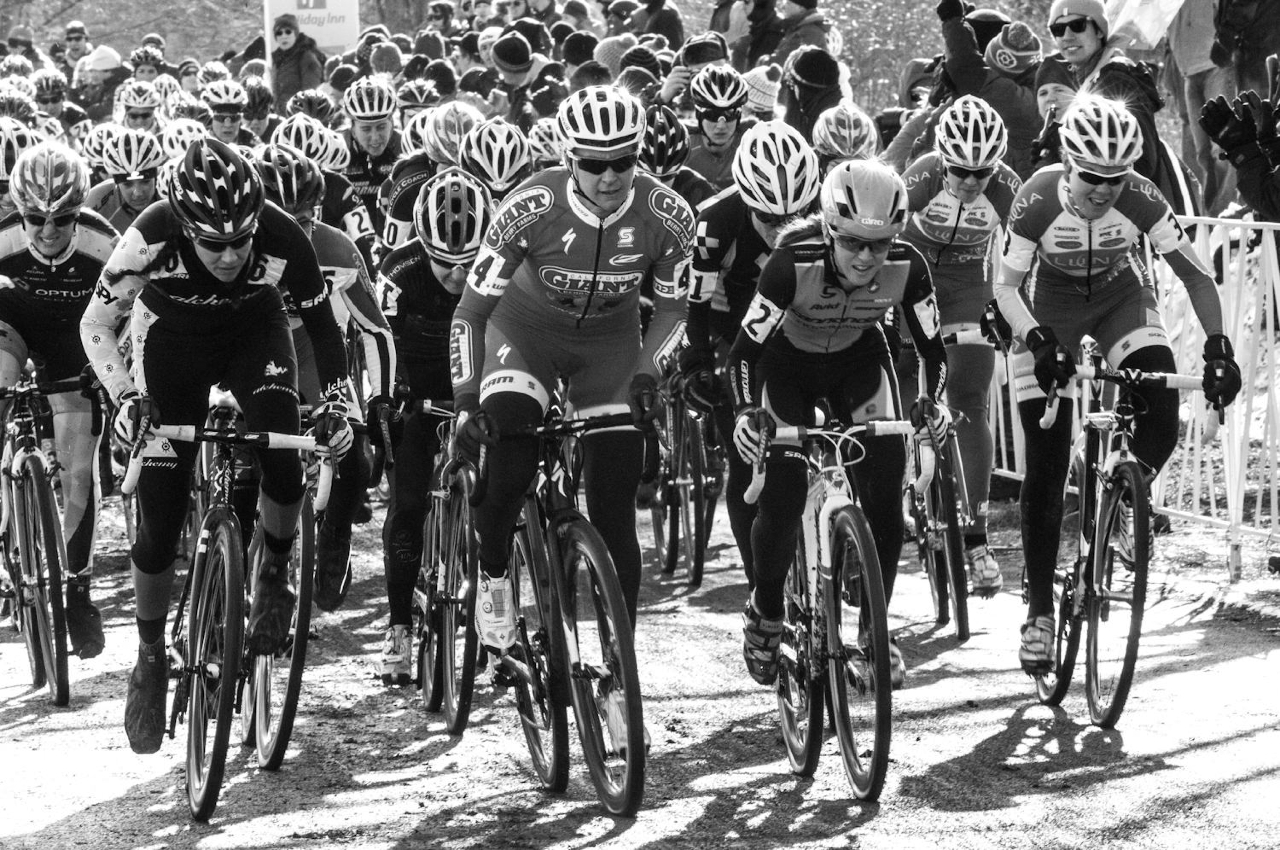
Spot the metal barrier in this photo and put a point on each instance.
(1234, 482)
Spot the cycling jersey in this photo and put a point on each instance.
(1064, 251)
(106, 202)
(551, 266)
(343, 210)
(367, 174)
(691, 186)
(419, 308)
(190, 302)
(401, 191)
(728, 254)
(715, 165)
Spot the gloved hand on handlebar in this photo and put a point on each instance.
(995, 327)
(331, 426)
(644, 401)
(697, 372)
(377, 406)
(474, 430)
(1221, 372)
(1054, 363)
(932, 421)
(747, 438)
(134, 408)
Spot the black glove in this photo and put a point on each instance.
(374, 411)
(1229, 125)
(476, 430)
(642, 398)
(1263, 113)
(1221, 373)
(1220, 54)
(930, 419)
(1054, 363)
(89, 383)
(698, 375)
(949, 10)
(995, 327)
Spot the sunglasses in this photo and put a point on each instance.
(283, 31)
(1077, 26)
(39, 221)
(191, 72)
(1099, 179)
(715, 115)
(217, 246)
(226, 117)
(975, 173)
(770, 219)
(74, 38)
(25, 45)
(435, 17)
(854, 245)
(48, 101)
(618, 165)
(137, 177)
(140, 116)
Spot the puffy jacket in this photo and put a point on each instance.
(297, 69)
(810, 28)
(763, 37)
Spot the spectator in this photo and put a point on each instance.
(576, 13)
(810, 87)
(488, 37)
(22, 43)
(641, 57)
(440, 18)
(296, 60)
(1191, 38)
(104, 73)
(590, 73)
(657, 17)
(1055, 89)
(466, 52)
(1247, 32)
(802, 24)
(544, 12)
(763, 36)
(188, 75)
(763, 85)
(578, 48)
(521, 70)
(617, 18)
(610, 51)
(386, 59)
(76, 41)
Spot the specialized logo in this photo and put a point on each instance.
(573, 280)
(503, 351)
(567, 239)
(274, 371)
(516, 213)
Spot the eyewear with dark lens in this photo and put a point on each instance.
(854, 245)
(975, 173)
(217, 246)
(715, 115)
(226, 117)
(39, 221)
(20, 44)
(618, 165)
(74, 38)
(770, 219)
(1099, 179)
(190, 72)
(48, 101)
(139, 116)
(283, 31)
(1077, 26)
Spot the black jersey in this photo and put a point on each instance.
(400, 191)
(728, 254)
(419, 308)
(343, 210)
(51, 294)
(367, 174)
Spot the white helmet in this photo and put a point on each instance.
(450, 122)
(132, 153)
(845, 131)
(497, 153)
(545, 148)
(337, 155)
(413, 136)
(775, 169)
(971, 134)
(865, 199)
(225, 93)
(140, 94)
(369, 99)
(601, 119)
(304, 133)
(95, 142)
(1100, 132)
(178, 135)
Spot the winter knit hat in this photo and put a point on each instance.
(1054, 69)
(103, 58)
(1091, 9)
(386, 59)
(575, 9)
(290, 21)
(1014, 50)
(511, 53)
(763, 83)
(701, 49)
(637, 80)
(430, 44)
(610, 51)
(580, 47)
(641, 57)
(814, 67)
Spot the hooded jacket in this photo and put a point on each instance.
(297, 69)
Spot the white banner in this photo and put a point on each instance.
(334, 24)
(1143, 21)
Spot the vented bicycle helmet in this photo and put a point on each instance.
(14, 65)
(133, 155)
(290, 179)
(305, 134)
(337, 155)
(666, 142)
(447, 125)
(1101, 133)
(545, 149)
(413, 138)
(775, 169)
(601, 120)
(369, 99)
(258, 97)
(224, 94)
(416, 94)
(15, 139)
(18, 106)
(311, 102)
(165, 178)
(49, 179)
(189, 107)
(139, 94)
(497, 153)
(450, 216)
(971, 134)
(718, 87)
(178, 135)
(49, 83)
(216, 192)
(147, 55)
(167, 87)
(865, 199)
(95, 141)
(211, 72)
(845, 132)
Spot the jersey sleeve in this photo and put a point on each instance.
(1002, 189)
(122, 278)
(1021, 240)
(305, 284)
(919, 177)
(920, 315)
(775, 293)
(375, 332)
(673, 245)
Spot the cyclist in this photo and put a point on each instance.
(15, 138)
(259, 118)
(666, 150)
(959, 196)
(226, 100)
(498, 153)
(92, 146)
(775, 180)
(718, 93)
(843, 132)
(545, 150)
(295, 183)
(413, 97)
(313, 103)
(136, 105)
(51, 97)
(1069, 269)
(200, 269)
(372, 140)
(178, 135)
(414, 167)
(812, 333)
(554, 294)
(420, 284)
(131, 159)
(50, 259)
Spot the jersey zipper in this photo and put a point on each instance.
(1088, 257)
(951, 240)
(595, 272)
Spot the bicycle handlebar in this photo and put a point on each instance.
(1133, 379)
(883, 428)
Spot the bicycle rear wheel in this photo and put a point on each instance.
(426, 607)
(693, 497)
(1118, 593)
(215, 634)
(459, 643)
(858, 646)
(43, 557)
(800, 685)
(277, 679)
(541, 698)
(945, 514)
(605, 686)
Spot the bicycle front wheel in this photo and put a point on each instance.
(858, 646)
(215, 633)
(605, 686)
(693, 497)
(946, 538)
(800, 685)
(426, 607)
(1117, 594)
(24, 615)
(459, 643)
(43, 557)
(277, 679)
(539, 696)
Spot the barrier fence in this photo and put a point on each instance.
(1233, 482)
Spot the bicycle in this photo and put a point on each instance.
(207, 652)
(35, 554)
(574, 640)
(835, 637)
(1106, 585)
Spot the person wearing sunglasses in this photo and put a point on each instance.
(297, 65)
(227, 101)
(53, 254)
(960, 195)
(131, 158)
(813, 332)
(204, 277)
(718, 94)
(1068, 270)
(51, 99)
(555, 295)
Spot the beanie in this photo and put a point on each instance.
(622, 8)
(640, 57)
(534, 32)
(609, 52)
(575, 9)
(1054, 69)
(546, 99)
(440, 73)
(708, 47)
(487, 38)
(468, 44)
(1091, 9)
(579, 47)
(403, 42)
(986, 24)
(378, 29)
(343, 76)
(385, 59)
(24, 34)
(638, 81)
(815, 67)
(763, 83)
(430, 45)
(1014, 50)
(103, 58)
(561, 30)
(287, 20)
(478, 80)
(511, 53)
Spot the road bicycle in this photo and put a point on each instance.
(216, 676)
(574, 641)
(1106, 585)
(35, 554)
(835, 637)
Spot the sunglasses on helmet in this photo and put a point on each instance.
(1077, 26)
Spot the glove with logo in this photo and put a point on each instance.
(133, 412)
(1054, 363)
(1221, 372)
(332, 428)
(931, 420)
(643, 399)
(747, 438)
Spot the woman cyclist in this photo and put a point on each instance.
(131, 159)
(497, 153)
(812, 333)
(959, 196)
(1070, 269)
(843, 132)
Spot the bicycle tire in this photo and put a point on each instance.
(426, 609)
(672, 471)
(800, 686)
(1051, 687)
(946, 513)
(275, 697)
(595, 619)
(459, 643)
(1117, 598)
(215, 640)
(23, 615)
(540, 700)
(928, 551)
(693, 499)
(862, 710)
(43, 560)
